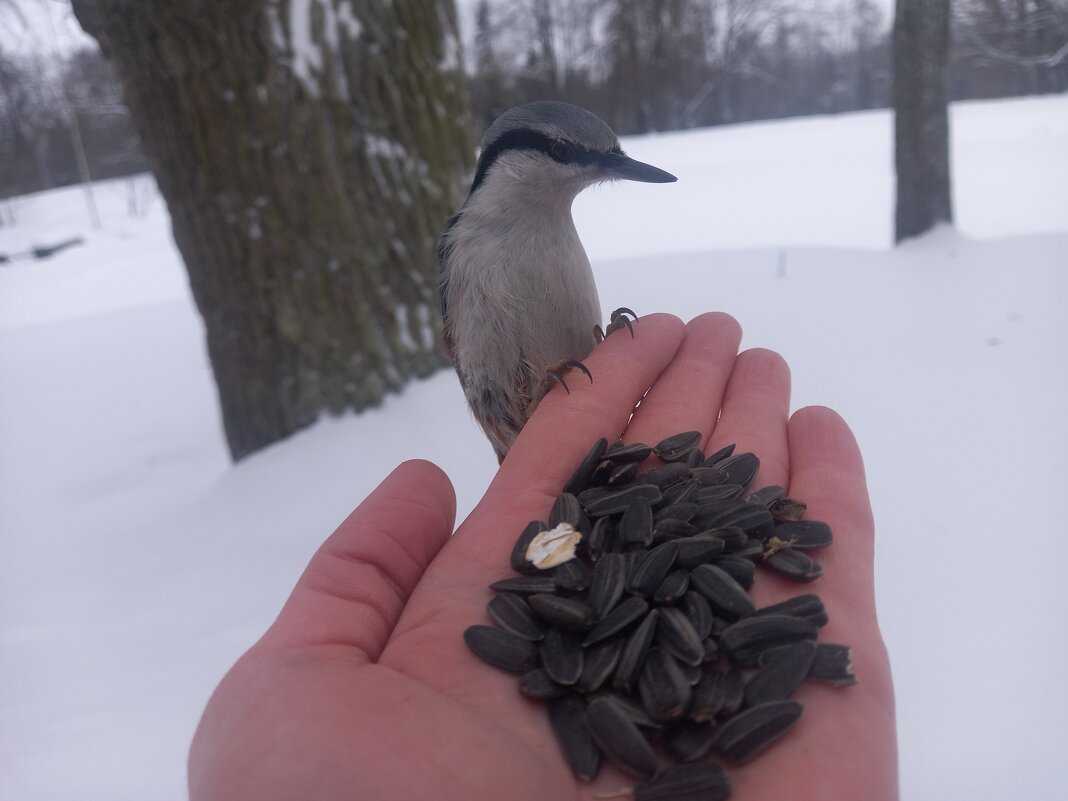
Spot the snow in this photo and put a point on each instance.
(137, 563)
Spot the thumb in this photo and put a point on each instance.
(358, 582)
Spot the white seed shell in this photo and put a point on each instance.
(553, 547)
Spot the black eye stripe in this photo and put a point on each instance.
(526, 139)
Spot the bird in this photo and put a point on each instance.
(519, 304)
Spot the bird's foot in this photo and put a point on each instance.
(556, 372)
(618, 320)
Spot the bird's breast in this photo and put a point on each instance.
(525, 301)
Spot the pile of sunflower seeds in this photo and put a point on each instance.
(631, 616)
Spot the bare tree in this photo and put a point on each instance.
(308, 151)
(921, 116)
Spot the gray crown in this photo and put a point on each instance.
(557, 121)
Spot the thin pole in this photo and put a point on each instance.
(75, 131)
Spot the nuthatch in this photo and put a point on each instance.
(517, 293)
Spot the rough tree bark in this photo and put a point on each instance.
(309, 152)
(921, 116)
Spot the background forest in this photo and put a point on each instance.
(641, 66)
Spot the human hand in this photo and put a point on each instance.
(364, 689)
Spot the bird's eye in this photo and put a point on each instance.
(562, 151)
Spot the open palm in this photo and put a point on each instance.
(363, 687)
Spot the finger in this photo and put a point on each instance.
(688, 395)
(844, 744)
(357, 583)
(565, 426)
(827, 473)
(756, 406)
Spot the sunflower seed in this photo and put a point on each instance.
(833, 663)
(718, 456)
(683, 492)
(561, 656)
(664, 477)
(600, 477)
(595, 493)
(725, 595)
(733, 692)
(598, 662)
(738, 568)
(634, 559)
(741, 469)
(634, 652)
(676, 447)
(688, 741)
(518, 559)
(514, 615)
(711, 647)
(734, 539)
(652, 570)
(601, 537)
(751, 732)
(698, 612)
(698, 549)
(618, 619)
(566, 509)
(571, 576)
(501, 648)
(567, 716)
(619, 737)
(804, 534)
(564, 613)
(696, 782)
(706, 477)
(676, 516)
(753, 519)
(718, 493)
(634, 711)
(580, 480)
(636, 525)
(616, 501)
(673, 587)
(796, 565)
(747, 639)
(664, 690)
(767, 495)
(787, 510)
(780, 677)
(623, 474)
(526, 585)
(692, 673)
(538, 685)
(808, 607)
(709, 695)
(751, 550)
(606, 586)
(634, 452)
(694, 458)
(677, 634)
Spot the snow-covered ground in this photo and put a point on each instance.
(137, 563)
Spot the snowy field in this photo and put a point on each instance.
(137, 563)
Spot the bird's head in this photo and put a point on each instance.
(548, 151)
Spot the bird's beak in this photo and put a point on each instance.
(619, 165)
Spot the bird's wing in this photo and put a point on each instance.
(443, 251)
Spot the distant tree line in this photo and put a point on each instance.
(656, 66)
(35, 142)
(641, 65)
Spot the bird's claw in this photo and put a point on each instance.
(556, 372)
(617, 320)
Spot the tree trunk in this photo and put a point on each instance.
(921, 116)
(309, 152)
